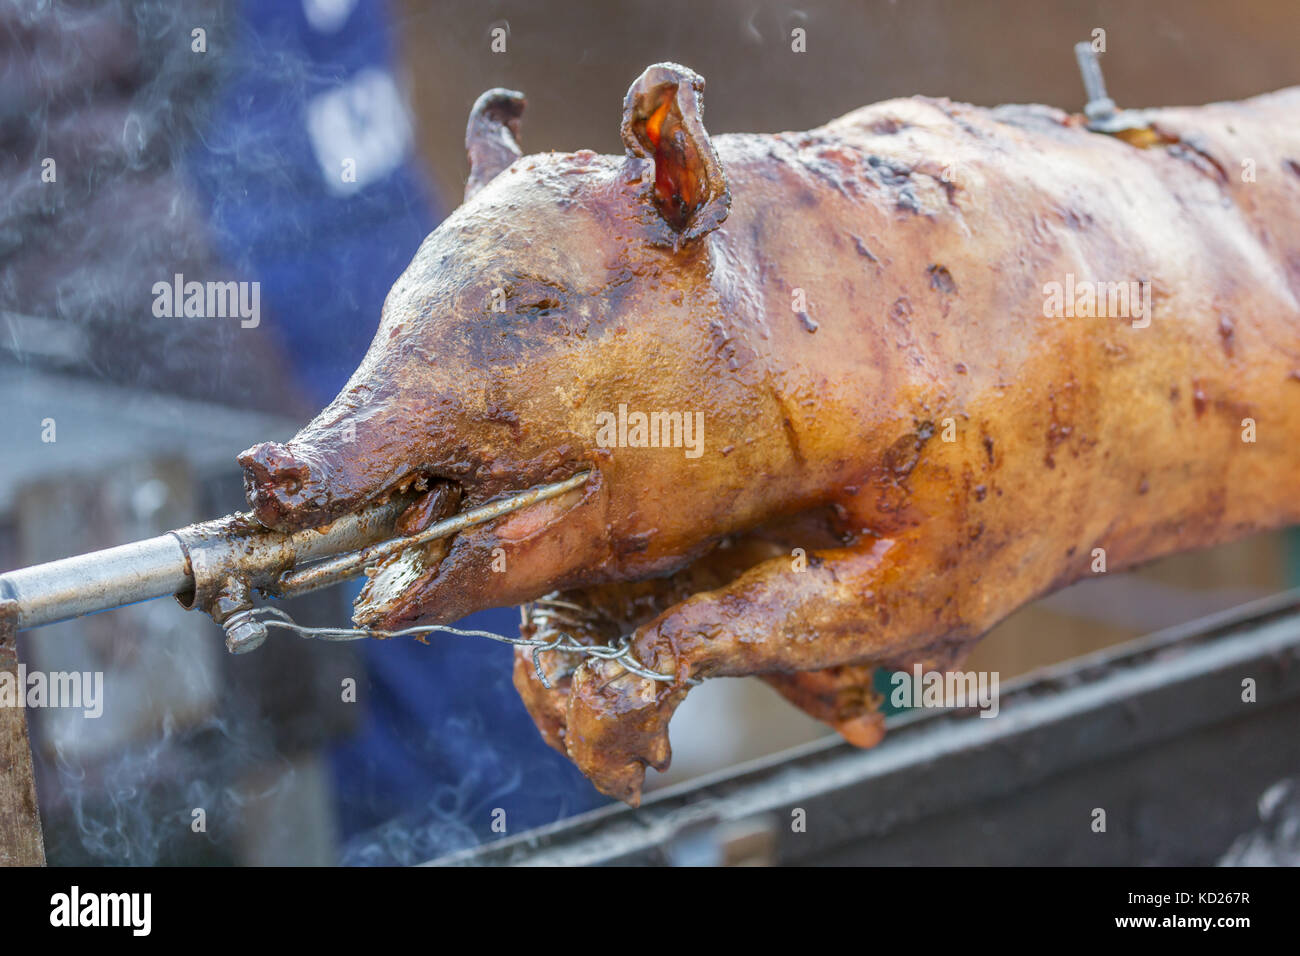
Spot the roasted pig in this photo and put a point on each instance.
(847, 397)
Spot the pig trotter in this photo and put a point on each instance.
(617, 725)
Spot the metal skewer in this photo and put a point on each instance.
(215, 565)
(344, 566)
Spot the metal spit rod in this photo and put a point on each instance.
(198, 563)
(343, 566)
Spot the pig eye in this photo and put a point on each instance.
(526, 295)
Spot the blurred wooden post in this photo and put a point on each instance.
(21, 843)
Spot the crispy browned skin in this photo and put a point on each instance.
(666, 280)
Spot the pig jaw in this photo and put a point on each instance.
(511, 560)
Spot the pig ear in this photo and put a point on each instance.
(662, 121)
(491, 136)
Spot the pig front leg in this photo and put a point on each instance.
(840, 697)
(876, 604)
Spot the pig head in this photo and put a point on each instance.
(567, 308)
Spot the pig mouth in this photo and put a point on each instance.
(402, 585)
(389, 580)
(292, 488)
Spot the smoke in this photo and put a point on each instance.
(479, 769)
(452, 818)
(142, 139)
(1276, 841)
(103, 110)
(178, 798)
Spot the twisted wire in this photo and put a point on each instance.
(565, 643)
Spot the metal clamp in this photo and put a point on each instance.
(1103, 115)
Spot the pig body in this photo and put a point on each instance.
(943, 357)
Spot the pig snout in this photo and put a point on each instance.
(281, 486)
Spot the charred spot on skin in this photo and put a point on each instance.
(1057, 430)
(902, 457)
(1199, 399)
(950, 188)
(1292, 167)
(1144, 487)
(1056, 434)
(895, 470)
(907, 201)
(862, 249)
(898, 177)
(901, 311)
(891, 174)
(988, 448)
(886, 126)
(499, 413)
(941, 279)
(834, 169)
(981, 492)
